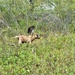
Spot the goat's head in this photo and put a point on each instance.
(37, 36)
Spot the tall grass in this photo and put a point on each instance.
(52, 54)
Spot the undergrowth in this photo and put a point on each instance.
(50, 55)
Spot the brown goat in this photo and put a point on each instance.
(24, 38)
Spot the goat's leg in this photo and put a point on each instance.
(30, 42)
(20, 41)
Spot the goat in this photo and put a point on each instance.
(29, 38)
(31, 29)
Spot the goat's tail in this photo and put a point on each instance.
(16, 37)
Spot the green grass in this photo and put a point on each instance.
(50, 55)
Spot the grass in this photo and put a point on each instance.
(50, 55)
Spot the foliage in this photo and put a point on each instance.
(58, 15)
(53, 53)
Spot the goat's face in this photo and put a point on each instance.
(37, 36)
